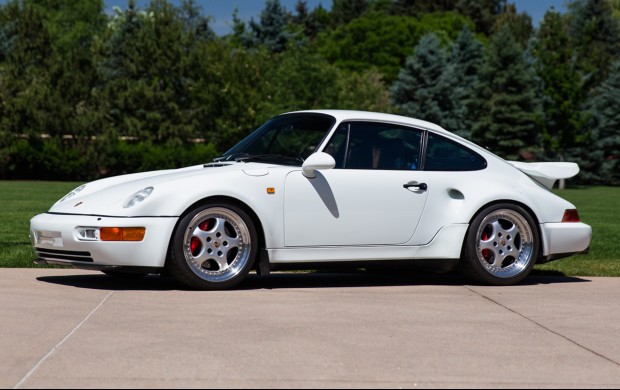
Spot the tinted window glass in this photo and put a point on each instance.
(445, 155)
(367, 145)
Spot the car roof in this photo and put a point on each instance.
(342, 115)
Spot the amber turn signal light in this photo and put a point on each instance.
(122, 234)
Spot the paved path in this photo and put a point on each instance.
(64, 328)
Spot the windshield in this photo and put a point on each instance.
(286, 139)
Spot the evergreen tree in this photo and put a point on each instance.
(421, 89)
(615, 9)
(596, 36)
(72, 25)
(147, 72)
(604, 152)
(344, 11)
(415, 7)
(25, 59)
(483, 12)
(520, 24)
(383, 42)
(507, 123)
(309, 22)
(196, 24)
(272, 29)
(561, 87)
(465, 64)
(363, 91)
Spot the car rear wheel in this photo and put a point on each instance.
(501, 246)
(214, 247)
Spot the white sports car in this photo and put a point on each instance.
(321, 187)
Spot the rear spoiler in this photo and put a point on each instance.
(547, 173)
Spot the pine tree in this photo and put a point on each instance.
(483, 12)
(309, 22)
(596, 36)
(604, 152)
(196, 24)
(561, 88)
(343, 11)
(507, 123)
(421, 89)
(519, 23)
(272, 30)
(147, 74)
(415, 7)
(465, 64)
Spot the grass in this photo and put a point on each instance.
(598, 207)
(20, 202)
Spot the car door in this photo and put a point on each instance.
(374, 196)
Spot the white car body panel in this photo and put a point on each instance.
(351, 207)
(340, 215)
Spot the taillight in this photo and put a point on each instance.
(571, 216)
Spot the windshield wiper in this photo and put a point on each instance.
(286, 160)
(230, 157)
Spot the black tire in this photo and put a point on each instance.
(214, 247)
(501, 246)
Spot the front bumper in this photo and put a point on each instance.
(57, 240)
(565, 239)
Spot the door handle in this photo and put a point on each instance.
(416, 186)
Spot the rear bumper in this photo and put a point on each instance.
(564, 239)
(56, 240)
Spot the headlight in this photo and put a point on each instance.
(138, 197)
(73, 193)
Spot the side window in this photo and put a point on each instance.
(445, 155)
(369, 145)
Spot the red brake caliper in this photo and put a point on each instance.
(195, 245)
(485, 252)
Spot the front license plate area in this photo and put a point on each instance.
(53, 239)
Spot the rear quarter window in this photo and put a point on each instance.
(443, 154)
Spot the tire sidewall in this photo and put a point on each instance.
(178, 265)
(471, 264)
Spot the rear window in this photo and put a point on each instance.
(445, 155)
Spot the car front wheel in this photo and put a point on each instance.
(501, 246)
(214, 247)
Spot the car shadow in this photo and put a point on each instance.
(291, 280)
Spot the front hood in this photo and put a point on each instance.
(106, 197)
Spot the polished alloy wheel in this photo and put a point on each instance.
(217, 244)
(505, 245)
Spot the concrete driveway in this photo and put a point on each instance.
(64, 328)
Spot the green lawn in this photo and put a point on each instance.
(598, 207)
(20, 202)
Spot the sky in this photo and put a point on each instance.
(222, 10)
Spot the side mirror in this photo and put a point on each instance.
(316, 162)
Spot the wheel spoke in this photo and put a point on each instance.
(233, 242)
(221, 262)
(497, 229)
(499, 260)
